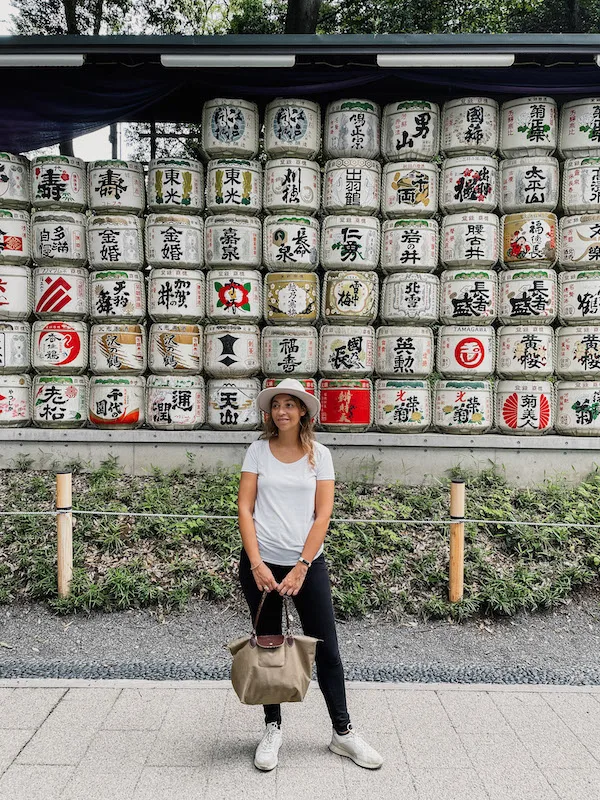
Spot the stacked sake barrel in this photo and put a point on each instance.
(117, 294)
(233, 253)
(410, 140)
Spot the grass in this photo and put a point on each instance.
(395, 570)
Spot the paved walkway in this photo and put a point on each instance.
(122, 740)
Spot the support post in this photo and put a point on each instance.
(457, 540)
(64, 529)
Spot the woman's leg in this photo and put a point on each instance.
(315, 610)
(269, 620)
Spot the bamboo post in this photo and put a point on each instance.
(457, 540)
(64, 529)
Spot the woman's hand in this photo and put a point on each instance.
(292, 583)
(264, 578)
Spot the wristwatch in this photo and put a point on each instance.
(304, 561)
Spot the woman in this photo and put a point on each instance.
(285, 503)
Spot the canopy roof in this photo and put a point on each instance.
(124, 78)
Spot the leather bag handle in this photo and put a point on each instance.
(288, 623)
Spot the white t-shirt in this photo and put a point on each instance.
(284, 510)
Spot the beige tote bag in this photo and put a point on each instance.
(274, 668)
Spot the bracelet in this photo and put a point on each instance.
(304, 561)
(256, 566)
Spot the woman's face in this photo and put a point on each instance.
(286, 411)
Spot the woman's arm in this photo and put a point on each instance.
(292, 583)
(246, 499)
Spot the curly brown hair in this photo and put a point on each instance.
(307, 431)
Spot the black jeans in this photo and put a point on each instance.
(315, 609)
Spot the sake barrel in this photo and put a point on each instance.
(231, 351)
(15, 401)
(348, 242)
(529, 184)
(350, 297)
(117, 296)
(230, 128)
(234, 295)
(352, 129)
(115, 242)
(291, 242)
(525, 351)
(529, 239)
(292, 186)
(232, 405)
(290, 352)
(233, 241)
(308, 384)
(579, 131)
(60, 292)
(524, 408)
(463, 406)
(410, 130)
(578, 408)
(469, 125)
(175, 402)
(581, 185)
(528, 127)
(60, 401)
(14, 347)
(16, 292)
(58, 238)
(579, 297)
(292, 128)
(578, 352)
(175, 186)
(175, 347)
(410, 245)
(174, 240)
(352, 186)
(409, 189)
(404, 352)
(233, 185)
(468, 296)
(410, 298)
(402, 406)
(527, 296)
(346, 404)
(579, 242)
(291, 298)
(15, 237)
(470, 240)
(466, 351)
(176, 295)
(117, 349)
(59, 347)
(469, 183)
(116, 186)
(346, 351)
(117, 401)
(58, 182)
(14, 181)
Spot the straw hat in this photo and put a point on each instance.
(288, 386)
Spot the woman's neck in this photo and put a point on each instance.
(289, 438)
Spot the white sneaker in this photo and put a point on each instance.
(265, 757)
(351, 745)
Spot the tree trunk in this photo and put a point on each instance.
(66, 148)
(98, 12)
(70, 7)
(574, 16)
(302, 16)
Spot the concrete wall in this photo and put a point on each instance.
(369, 457)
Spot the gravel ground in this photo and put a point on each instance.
(560, 646)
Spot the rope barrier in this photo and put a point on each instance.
(153, 515)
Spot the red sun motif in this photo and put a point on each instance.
(233, 295)
(71, 340)
(469, 352)
(510, 413)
